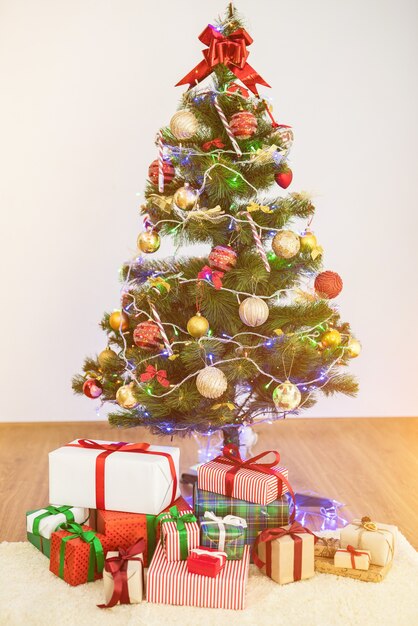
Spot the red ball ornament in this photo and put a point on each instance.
(328, 284)
(147, 336)
(92, 388)
(284, 178)
(222, 258)
(168, 172)
(243, 124)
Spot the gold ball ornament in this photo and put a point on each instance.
(118, 320)
(286, 244)
(186, 198)
(308, 241)
(331, 338)
(149, 241)
(286, 396)
(106, 356)
(197, 326)
(125, 396)
(211, 382)
(253, 311)
(353, 347)
(183, 124)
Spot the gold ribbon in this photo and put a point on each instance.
(253, 206)
(162, 202)
(158, 281)
(228, 405)
(264, 155)
(205, 214)
(316, 252)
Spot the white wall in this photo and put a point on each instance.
(76, 139)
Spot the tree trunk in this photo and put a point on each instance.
(231, 435)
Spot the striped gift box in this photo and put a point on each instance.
(170, 536)
(248, 484)
(257, 516)
(171, 583)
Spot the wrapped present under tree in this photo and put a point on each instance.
(41, 523)
(123, 576)
(228, 534)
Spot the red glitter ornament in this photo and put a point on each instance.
(222, 258)
(243, 124)
(168, 172)
(284, 178)
(328, 284)
(147, 336)
(92, 388)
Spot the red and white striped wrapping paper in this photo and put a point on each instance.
(171, 583)
(249, 485)
(171, 538)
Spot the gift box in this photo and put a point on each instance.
(41, 523)
(123, 576)
(206, 562)
(286, 554)
(352, 558)
(251, 480)
(131, 477)
(379, 539)
(180, 533)
(77, 554)
(375, 573)
(124, 529)
(227, 534)
(326, 546)
(257, 516)
(172, 583)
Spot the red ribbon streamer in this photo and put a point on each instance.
(152, 372)
(121, 446)
(230, 51)
(118, 567)
(214, 143)
(207, 273)
(268, 535)
(231, 456)
(235, 88)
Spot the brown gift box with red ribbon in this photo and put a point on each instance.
(285, 554)
(123, 576)
(254, 480)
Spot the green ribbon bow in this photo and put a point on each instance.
(174, 515)
(96, 561)
(52, 510)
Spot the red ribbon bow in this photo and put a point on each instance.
(230, 51)
(152, 372)
(118, 567)
(231, 456)
(121, 446)
(353, 553)
(207, 273)
(268, 535)
(214, 143)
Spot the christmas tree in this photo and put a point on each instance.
(237, 336)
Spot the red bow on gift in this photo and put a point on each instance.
(235, 88)
(230, 51)
(207, 273)
(118, 567)
(353, 553)
(214, 143)
(152, 372)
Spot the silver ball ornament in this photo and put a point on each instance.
(183, 124)
(211, 382)
(253, 311)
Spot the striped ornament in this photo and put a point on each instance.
(243, 124)
(171, 583)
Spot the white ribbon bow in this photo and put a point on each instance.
(217, 554)
(221, 522)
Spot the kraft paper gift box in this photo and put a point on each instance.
(135, 478)
(123, 576)
(180, 533)
(41, 523)
(258, 516)
(352, 558)
(326, 546)
(375, 573)
(77, 554)
(124, 529)
(227, 534)
(172, 583)
(249, 480)
(206, 562)
(286, 554)
(379, 539)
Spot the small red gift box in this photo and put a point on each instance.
(206, 561)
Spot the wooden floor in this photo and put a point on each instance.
(370, 464)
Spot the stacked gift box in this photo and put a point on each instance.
(117, 509)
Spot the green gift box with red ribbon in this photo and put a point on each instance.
(77, 554)
(41, 523)
(180, 533)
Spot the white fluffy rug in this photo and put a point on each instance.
(30, 595)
